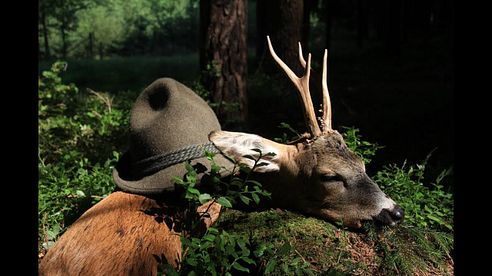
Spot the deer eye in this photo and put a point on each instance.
(330, 177)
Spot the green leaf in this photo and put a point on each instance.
(193, 191)
(254, 182)
(244, 168)
(204, 198)
(260, 250)
(209, 237)
(239, 267)
(242, 245)
(224, 202)
(191, 261)
(244, 199)
(213, 230)
(434, 218)
(248, 260)
(270, 266)
(250, 157)
(178, 180)
(256, 198)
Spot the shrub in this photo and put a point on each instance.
(427, 206)
(217, 252)
(364, 149)
(79, 141)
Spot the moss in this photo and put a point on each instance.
(325, 249)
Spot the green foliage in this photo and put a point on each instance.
(409, 250)
(119, 26)
(78, 138)
(428, 206)
(217, 252)
(293, 244)
(364, 149)
(284, 259)
(105, 23)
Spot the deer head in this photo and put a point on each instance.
(319, 174)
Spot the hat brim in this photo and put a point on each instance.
(161, 181)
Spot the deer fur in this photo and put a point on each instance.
(120, 235)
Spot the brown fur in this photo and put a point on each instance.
(118, 236)
(319, 176)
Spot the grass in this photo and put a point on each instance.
(329, 250)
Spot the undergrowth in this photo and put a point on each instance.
(80, 137)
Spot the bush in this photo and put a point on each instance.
(217, 252)
(364, 149)
(79, 141)
(427, 206)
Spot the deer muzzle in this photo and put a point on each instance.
(390, 217)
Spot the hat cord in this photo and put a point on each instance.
(158, 162)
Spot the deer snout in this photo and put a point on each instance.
(391, 216)
(397, 214)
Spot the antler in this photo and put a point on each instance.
(326, 121)
(302, 85)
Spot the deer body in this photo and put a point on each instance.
(319, 175)
(118, 236)
(114, 237)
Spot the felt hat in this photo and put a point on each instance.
(169, 124)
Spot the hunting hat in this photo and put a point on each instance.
(169, 124)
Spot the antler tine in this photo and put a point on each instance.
(301, 57)
(302, 85)
(326, 121)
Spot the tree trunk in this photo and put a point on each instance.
(283, 21)
(309, 6)
(223, 56)
(45, 35)
(101, 51)
(64, 41)
(90, 49)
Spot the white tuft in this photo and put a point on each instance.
(237, 145)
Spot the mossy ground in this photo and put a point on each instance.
(326, 249)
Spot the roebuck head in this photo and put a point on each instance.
(319, 174)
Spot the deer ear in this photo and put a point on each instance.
(243, 148)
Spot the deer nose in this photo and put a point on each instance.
(391, 216)
(397, 214)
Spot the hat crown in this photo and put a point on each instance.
(168, 116)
